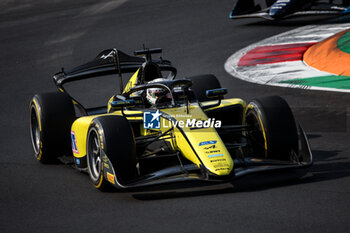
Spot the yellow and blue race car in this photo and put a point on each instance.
(161, 129)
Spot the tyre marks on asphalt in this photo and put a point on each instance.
(102, 7)
(84, 19)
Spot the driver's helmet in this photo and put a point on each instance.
(157, 95)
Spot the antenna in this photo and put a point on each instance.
(146, 52)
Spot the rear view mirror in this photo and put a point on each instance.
(122, 103)
(216, 92)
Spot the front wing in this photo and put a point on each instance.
(192, 172)
(266, 15)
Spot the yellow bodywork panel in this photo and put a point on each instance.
(80, 129)
(199, 145)
(202, 146)
(132, 81)
(109, 103)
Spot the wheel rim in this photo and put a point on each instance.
(94, 155)
(35, 130)
(256, 135)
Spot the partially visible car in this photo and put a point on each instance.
(279, 9)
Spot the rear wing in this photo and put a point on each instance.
(110, 61)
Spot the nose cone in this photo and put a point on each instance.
(222, 171)
(347, 10)
(285, 7)
(274, 12)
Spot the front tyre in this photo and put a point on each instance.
(274, 133)
(110, 138)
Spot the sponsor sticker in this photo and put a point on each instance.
(110, 178)
(77, 161)
(210, 147)
(212, 151)
(74, 143)
(207, 143)
(217, 160)
(215, 155)
(105, 56)
(220, 169)
(151, 120)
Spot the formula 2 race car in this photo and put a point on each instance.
(159, 130)
(272, 9)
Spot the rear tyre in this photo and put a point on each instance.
(274, 133)
(110, 137)
(202, 83)
(51, 117)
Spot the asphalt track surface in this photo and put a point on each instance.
(37, 38)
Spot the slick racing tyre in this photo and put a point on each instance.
(51, 117)
(274, 133)
(202, 83)
(110, 138)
